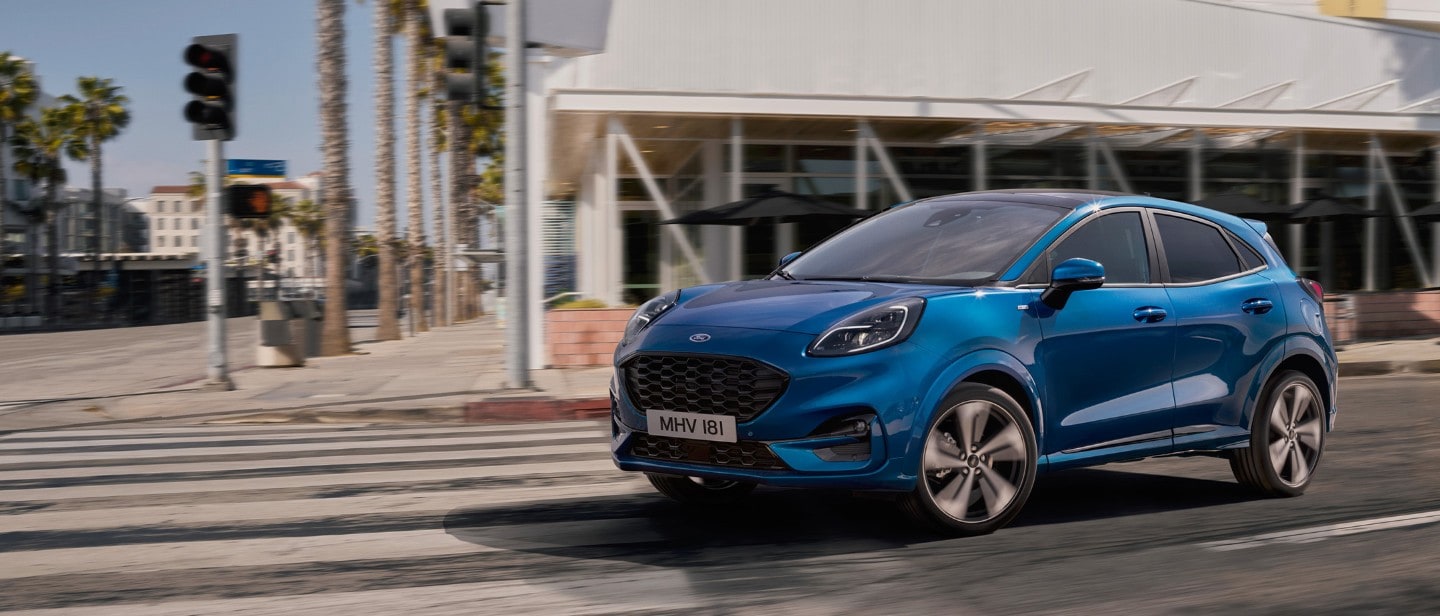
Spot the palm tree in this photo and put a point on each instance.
(101, 108)
(335, 143)
(389, 279)
(17, 93)
(40, 148)
(438, 145)
(309, 221)
(417, 50)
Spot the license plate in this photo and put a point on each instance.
(692, 425)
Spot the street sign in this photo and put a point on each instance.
(251, 168)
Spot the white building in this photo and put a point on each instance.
(175, 224)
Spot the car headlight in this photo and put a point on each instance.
(647, 313)
(884, 325)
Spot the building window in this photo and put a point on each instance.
(159, 207)
(194, 239)
(159, 224)
(291, 238)
(194, 206)
(160, 241)
(194, 223)
(290, 255)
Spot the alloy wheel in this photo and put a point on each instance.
(975, 461)
(1296, 426)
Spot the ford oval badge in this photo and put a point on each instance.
(699, 337)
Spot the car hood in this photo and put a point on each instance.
(784, 305)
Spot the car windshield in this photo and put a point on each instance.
(939, 241)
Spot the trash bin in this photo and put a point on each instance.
(278, 346)
(308, 322)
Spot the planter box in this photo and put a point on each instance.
(584, 337)
(1383, 314)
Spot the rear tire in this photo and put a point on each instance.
(1287, 436)
(700, 491)
(978, 465)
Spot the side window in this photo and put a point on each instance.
(1249, 259)
(1195, 251)
(1117, 241)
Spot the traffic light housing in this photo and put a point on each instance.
(465, 53)
(249, 201)
(212, 84)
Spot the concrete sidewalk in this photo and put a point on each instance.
(451, 374)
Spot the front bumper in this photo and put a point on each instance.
(796, 441)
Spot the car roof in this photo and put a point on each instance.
(1069, 198)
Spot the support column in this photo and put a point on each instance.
(892, 173)
(737, 192)
(862, 169)
(1197, 166)
(979, 163)
(1297, 194)
(1092, 158)
(1372, 226)
(1435, 226)
(615, 238)
(1406, 224)
(715, 239)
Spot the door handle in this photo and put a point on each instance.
(1150, 314)
(1257, 305)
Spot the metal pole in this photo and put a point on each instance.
(517, 331)
(218, 372)
(1372, 226)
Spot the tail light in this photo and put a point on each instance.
(1313, 288)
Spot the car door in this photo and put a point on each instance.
(1105, 357)
(1228, 316)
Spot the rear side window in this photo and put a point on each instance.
(1195, 252)
(1117, 241)
(1248, 257)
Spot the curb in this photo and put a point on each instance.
(1376, 368)
(536, 409)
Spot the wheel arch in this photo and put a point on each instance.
(1305, 361)
(991, 367)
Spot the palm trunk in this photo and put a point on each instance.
(442, 252)
(52, 285)
(99, 205)
(331, 63)
(389, 280)
(459, 172)
(415, 176)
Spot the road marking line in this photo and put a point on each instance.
(271, 511)
(286, 463)
(318, 428)
(644, 590)
(1321, 533)
(271, 551)
(336, 480)
(73, 456)
(209, 436)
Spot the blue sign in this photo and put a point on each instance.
(245, 167)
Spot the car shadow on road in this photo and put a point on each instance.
(796, 524)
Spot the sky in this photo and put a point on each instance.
(138, 44)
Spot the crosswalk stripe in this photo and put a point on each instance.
(270, 511)
(290, 464)
(224, 433)
(303, 481)
(273, 551)
(645, 590)
(292, 447)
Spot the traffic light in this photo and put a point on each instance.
(249, 201)
(212, 83)
(465, 53)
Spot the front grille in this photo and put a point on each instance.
(744, 454)
(740, 388)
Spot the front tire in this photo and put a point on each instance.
(700, 491)
(978, 465)
(1287, 436)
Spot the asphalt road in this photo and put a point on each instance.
(534, 519)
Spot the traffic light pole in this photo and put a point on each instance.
(218, 372)
(517, 210)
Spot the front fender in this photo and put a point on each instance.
(959, 371)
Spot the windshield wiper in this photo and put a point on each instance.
(784, 274)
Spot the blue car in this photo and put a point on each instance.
(949, 350)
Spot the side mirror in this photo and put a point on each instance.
(785, 260)
(1070, 276)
